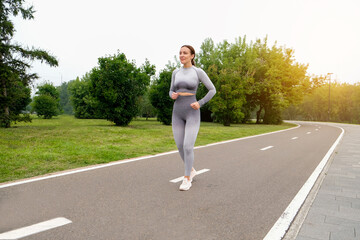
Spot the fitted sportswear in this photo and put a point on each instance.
(188, 79)
(185, 119)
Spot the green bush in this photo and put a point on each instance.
(45, 106)
(160, 99)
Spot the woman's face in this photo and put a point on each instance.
(185, 56)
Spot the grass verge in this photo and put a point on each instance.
(64, 142)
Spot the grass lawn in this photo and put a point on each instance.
(64, 142)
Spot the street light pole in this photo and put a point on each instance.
(329, 76)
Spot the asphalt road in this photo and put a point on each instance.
(241, 197)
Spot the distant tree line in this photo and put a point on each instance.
(339, 102)
(253, 80)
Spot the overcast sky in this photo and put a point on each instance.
(324, 33)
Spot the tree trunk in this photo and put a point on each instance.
(258, 114)
(227, 120)
(6, 120)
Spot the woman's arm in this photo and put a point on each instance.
(203, 77)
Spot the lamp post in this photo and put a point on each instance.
(329, 76)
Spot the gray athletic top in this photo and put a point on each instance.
(188, 79)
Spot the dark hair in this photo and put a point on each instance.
(192, 51)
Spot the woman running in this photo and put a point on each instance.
(186, 111)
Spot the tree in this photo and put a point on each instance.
(146, 109)
(84, 104)
(231, 77)
(159, 95)
(46, 104)
(117, 84)
(65, 103)
(14, 64)
(278, 81)
(207, 59)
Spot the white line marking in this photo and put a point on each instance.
(294, 138)
(36, 228)
(90, 168)
(179, 179)
(279, 229)
(308, 133)
(266, 148)
(316, 129)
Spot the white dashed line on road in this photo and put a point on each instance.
(266, 148)
(308, 133)
(179, 179)
(294, 138)
(33, 229)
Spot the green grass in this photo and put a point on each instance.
(64, 142)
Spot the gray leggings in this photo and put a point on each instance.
(185, 125)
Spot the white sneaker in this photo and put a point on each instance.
(186, 185)
(192, 174)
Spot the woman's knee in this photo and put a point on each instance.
(188, 149)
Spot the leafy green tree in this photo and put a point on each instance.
(65, 103)
(207, 59)
(146, 109)
(117, 84)
(84, 104)
(159, 95)
(15, 60)
(231, 78)
(278, 81)
(46, 104)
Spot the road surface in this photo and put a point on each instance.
(249, 184)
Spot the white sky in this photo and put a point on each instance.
(324, 33)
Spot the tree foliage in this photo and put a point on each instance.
(235, 74)
(159, 95)
(117, 85)
(342, 105)
(45, 106)
(84, 104)
(252, 77)
(15, 60)
(278, 81)
(46, 103)
(65, 103)
(145, 107)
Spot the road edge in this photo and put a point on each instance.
(282, 225)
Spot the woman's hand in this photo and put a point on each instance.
(195, 105)
(174, 95)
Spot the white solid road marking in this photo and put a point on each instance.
(281, 226)
(197, 173)
(266, 148)
(36, 228)
(308, 132)
(294, 138)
